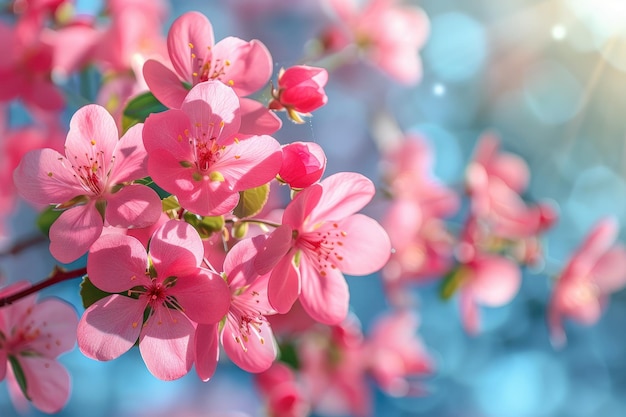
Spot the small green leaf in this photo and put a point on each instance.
(19, 375)
(90, 293)
(451, 283)
(205, 226)
(148, 181)
(139, 108)
(46, 218)
(251, 201)
(289, 355)
(170, 203)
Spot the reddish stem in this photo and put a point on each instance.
(58, 275)
(23, 245)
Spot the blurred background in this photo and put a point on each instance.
(549, 76)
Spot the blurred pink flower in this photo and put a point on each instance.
(284, 397)
(303, 164)
(389, 35)
(319, 240)
(32, 335)
(167, 283)
(595, 270)
(195, 153)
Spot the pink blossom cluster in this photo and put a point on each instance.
(166, 185)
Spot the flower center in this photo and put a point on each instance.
(206, 69)
(325, 246)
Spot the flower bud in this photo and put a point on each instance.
(300, 91)
(303, 164)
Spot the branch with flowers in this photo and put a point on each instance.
(168, 191)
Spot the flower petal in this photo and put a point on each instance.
(256, 119)
(117, 263)
(166, 344)
(324, 297)
(366, 247)
(250, 64)
(188, 41)
(206, 350)
(259, 352)
(44, 176)
(344, 194)
(133, 206)
(110, 327)
(270, 250)
(48, 383)
(57, 321)
(495, 280)
(204, 297)
(130, 157)
(164, 84)
(176, 249)
(74, 232)
(283, 286)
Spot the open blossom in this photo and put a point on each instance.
(394, 353)
(389, 35)
(303, 164)
(156, 298)
(196, 58)
(596, 269)
(32, 335)
(319, 240)
(300, 91)
(92, 181)
(195, 152)
(246, 334)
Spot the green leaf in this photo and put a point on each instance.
(170, 203)
(139, 108)
(19, 375)
(148, 182)
(90, 293)
(205, 226)
(251, 201)
(451, 283)
(46, 218)
(289, 355)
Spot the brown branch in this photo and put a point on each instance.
(58, 275)
(24, 244)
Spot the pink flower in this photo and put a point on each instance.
(25, 67)
(394, 352)
(284, 397)
(245, 66)
(32, 335)
(300, 91)
(246, 334)
(90, 181)
(596, 269)
(482, 278)
(303, 164)
(167, 287)
(320, 239)
(195, 152)
(389, 35)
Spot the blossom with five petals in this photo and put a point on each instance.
(196, 58)
(32, 335)
(157, 298)
(195, 152)
(319, 240)
(92, 181)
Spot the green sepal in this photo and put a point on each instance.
(89, 293)
(19, 375)
(206, 225)
(251, 201)
(148, 181)
(139, 108)
(46, 218)
(451, 282)
(240, 230)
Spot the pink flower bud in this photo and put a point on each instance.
(303, 164)
(300, 91)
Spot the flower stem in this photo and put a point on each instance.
(24, 244)
(256, 221)
(58, 275)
